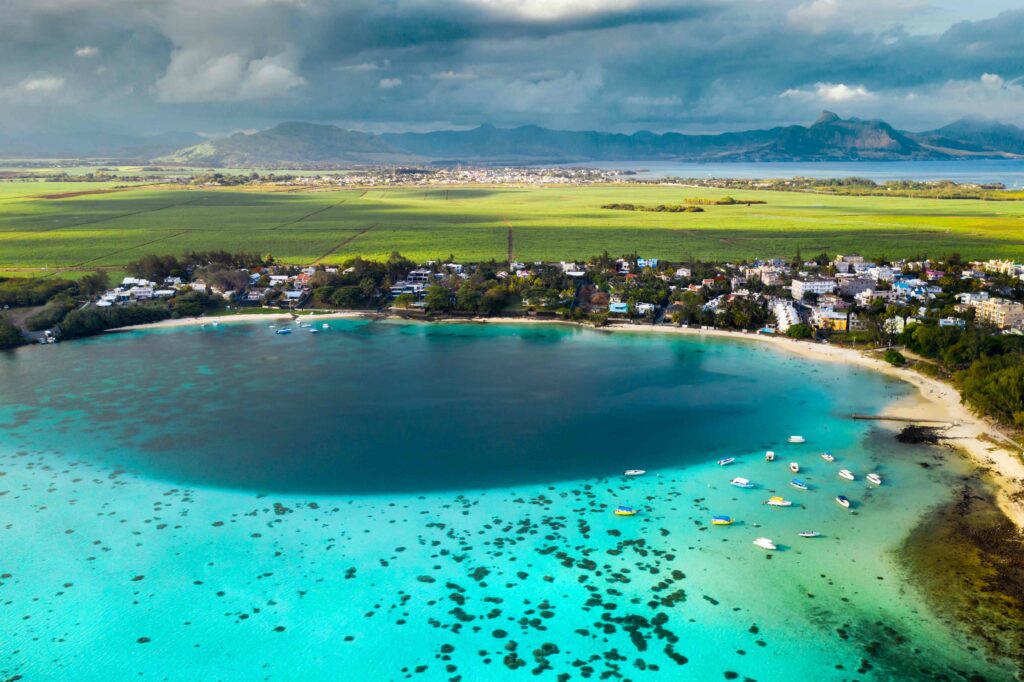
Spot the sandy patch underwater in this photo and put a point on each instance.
(501, 557)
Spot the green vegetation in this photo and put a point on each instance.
(22, 292)
(800, 331)
(660, 208)
(90, 321)
(10, 337)
(987, 368)
(894, 358)
(474, 223)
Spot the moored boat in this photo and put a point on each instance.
(797, 440)
(843, 501)
(809, 534)
(776, 501)
(769, 456)
(283, 331)
(794, 467)
(764, 543)
(874, 478)
(634, 472)
(721, 520)
(828, 457)
(798, 484)
(625, 510)
(740, 482)
(726, 461)
(847, 474)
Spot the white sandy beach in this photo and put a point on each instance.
(935, 401)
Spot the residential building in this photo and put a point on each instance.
(999, 312)
(811, 285)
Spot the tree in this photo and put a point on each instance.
(405, 300)
(438, 299)
(94, 283)
(895, 358)
(10, 337)
(800, 331)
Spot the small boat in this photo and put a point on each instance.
(314, 331)
(847, 474)
(769, 456)
(726, 462)
(741, 482)
(874, 478)
(634, 472)
(283, 331)
(828, 457)
(764, 543)
(843, 501)
(325, 326)
(794, 467)
(776, 501)
(623, 510)
(798, 484)
(721, 520)
(215, 324)
(809, 534)
(797, 440)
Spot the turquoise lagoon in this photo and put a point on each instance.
(386, 501)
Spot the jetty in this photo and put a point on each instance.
(907, 420)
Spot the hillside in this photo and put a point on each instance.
(829, 138)
(976, 136)
(834, 138)
(289, 144)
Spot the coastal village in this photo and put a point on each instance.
(844, 295)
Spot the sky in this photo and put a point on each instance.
(218, 66)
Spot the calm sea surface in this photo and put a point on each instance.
(1010, 172)
(388, 501)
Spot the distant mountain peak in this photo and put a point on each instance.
(826, 117)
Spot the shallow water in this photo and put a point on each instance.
(384, 500)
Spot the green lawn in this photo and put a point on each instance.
(549, 223)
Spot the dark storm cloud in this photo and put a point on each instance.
(151, 65)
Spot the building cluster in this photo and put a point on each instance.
(829, 296)
(426, 176)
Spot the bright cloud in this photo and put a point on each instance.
(86, 51)
(831, 92)
(389, 83)
(194, 76)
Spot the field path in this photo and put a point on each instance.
(345, 242)
(127, 248)
(511, 242)
(118, 217)
(308, 215)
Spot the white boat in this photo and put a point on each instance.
(634, 472)
(726, 462)
(741, 482)
(874, 478)
(798, 484)
(283, 331)
(776, 501)
(314, 331)
(215, 324)
(847, 474)
(809, 534)
(325, 326)
(843, 501)
(828, 457)
(794, 467)
(764, 543)
(797, 439)
(769, 456)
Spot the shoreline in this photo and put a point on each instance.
(934, 401)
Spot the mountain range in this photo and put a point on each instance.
(829, 138)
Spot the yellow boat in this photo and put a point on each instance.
(623, 510)
(721, 520)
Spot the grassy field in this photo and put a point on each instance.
(552, 223)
